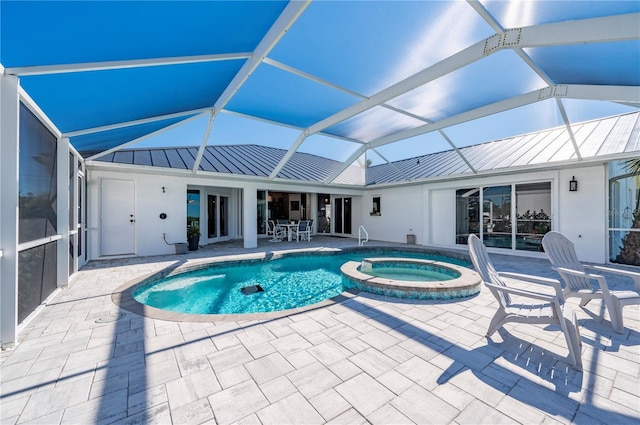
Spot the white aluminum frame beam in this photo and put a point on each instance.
(590, 92)
(146, 136)
(287, 18)
(593, 30)
(110, 65)
(9, 177)
(611, 28)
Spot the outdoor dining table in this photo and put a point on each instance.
(289, 227)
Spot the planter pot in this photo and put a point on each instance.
(193, 243)
(411, 239)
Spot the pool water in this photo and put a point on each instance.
(288, 283)
(412, 275)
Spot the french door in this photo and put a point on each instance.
(342, 216)
(217, 217)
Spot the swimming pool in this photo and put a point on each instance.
(289, 282)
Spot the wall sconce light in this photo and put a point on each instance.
(573, 184)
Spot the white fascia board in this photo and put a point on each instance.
(110, 65)
(134, 122)
(139, 139)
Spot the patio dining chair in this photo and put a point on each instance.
(526, 305)
(302, 231)
(274, 231)
(587, 286)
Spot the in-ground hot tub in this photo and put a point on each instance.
(411, 278)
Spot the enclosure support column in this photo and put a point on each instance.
(9, 144)
(250, 216)
(63, 212)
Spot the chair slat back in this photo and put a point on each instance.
(562, 253)
(484, 267)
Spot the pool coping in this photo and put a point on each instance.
(123, 295)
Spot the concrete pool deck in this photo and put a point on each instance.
(367, 359)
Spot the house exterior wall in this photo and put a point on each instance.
(150, 202)
(430, 209)
(427, 210)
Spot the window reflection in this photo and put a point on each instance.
(38, 180)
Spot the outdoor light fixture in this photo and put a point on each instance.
(573, 184)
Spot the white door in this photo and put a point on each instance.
(118, 221)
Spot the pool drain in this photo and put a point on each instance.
(110, 318)
(248, 290)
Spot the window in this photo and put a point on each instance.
(375, 208)
(624, 214)
(490, 213)
(38, 185)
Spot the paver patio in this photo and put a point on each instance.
(367, 359)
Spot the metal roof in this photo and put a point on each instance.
(108, 74)
(600, 139)
(245, 160)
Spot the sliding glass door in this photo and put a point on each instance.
(491, 214)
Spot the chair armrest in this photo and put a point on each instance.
(633, 275)
(523, 292)
(602, 282)
(555, 283)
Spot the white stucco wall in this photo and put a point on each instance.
(582, 215)
(430, 209)
(150, 202)
(426, 210)
(401, 213)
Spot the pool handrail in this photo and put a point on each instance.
(360, 230)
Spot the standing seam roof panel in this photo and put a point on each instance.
(496, 154)
(524, 146)
(265, 162)
(211, 155)
(552, 149)
(634, 139)
(159, 158)
(507, 156)
(567, 151)
(125, 157)
(547, 141)
(620, 135)
(592, 144)
(174, 159)
(142, 157)
(240, 162)
(224, 160)
(585, 132)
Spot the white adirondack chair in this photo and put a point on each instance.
(541, 308)
(587, 286)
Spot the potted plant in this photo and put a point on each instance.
(193, 236)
